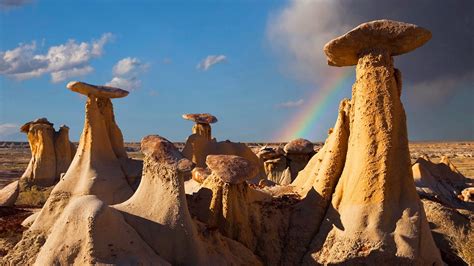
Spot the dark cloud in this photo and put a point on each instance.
(438, 77)
(8, 4)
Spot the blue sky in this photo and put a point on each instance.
(267, 59)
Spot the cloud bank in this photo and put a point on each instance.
(63, 61)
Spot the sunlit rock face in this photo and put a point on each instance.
(375, 214)
(51, 152)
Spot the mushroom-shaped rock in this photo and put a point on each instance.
(298, 152)
(268, 153)
(299, 146)
(8, 194)
(201, 118)
(95, 170)
(231, 169)
(202, 126)
(375, 215)
(392, 36)
(97, 91)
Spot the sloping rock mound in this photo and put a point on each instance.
(440, 181)
(153, 227)
(51, 152)
(375, 215)
(452, 232)
(8, 194)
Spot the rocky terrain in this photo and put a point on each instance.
(364, 196)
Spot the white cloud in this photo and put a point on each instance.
(129, 84)
(62, 75)
(98, 45)
(126, 73)
(126, 66)
(61, 61)
(291, 104)
(300, 31)
(209, 61)
(8, 129)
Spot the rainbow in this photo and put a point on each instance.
(303, 123)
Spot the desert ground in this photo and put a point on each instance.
(14, 156)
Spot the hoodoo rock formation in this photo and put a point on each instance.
(202, 126)
(375, 214)
(51, 152)
(95, 170)
(354, 202)
(200, 144)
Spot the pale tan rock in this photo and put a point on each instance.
(51, 152)
(375, 214)
(316, 183)
(438, 181)
(394, 37)
(95, 170)
(231, 169)
(298, 152)
(200, 174)
(468, 194)
(8, 194)
(278, 171)
(299, 146)
(97, 91)
(30, 219)
(41, 169)
(64, 150)
(197, 148)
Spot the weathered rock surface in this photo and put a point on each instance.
(392, 36)
(197, 148)
(95, 170)
(8, 194)
(440, 181)
(298, 152)
(231, 169)
(97, 91)
(375, 215)
(202, 126)
(51, 152)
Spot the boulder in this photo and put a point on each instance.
(8, 194)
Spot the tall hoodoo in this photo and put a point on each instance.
(95, 169)
(376, 215)
(51, 152)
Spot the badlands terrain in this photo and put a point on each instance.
(363, 197)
